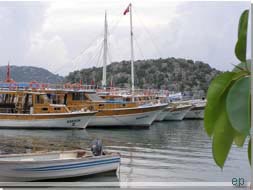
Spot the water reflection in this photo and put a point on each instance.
(168, 151)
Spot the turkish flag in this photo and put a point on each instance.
(127, 9)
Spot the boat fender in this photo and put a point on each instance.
(96, 147)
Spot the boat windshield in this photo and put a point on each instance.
(95, 97)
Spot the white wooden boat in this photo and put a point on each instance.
(142, 116)
(54, 165)
(197, 111)
(25, 109)
(161, 116)
(177, 113)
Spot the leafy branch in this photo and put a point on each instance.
(227, 113)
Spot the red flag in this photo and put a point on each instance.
(127, 9)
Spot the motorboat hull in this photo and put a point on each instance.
(26, 170)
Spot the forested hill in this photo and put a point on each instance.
(174, 74)
(28, 73)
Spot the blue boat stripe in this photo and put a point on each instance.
(95, 161)
(70, 166)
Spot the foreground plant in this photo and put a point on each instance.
(227, 113)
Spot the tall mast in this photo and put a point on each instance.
(132, 48)
(105, 53)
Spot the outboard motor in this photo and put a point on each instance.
(96, 147)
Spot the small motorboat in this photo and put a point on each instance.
(55, 165)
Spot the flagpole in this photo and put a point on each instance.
(132, 49)
(105, 54)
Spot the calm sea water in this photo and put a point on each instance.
(167, 151)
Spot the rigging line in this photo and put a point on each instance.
(109, 54)
(138, 46)
(73, 61)
(90, 44)
(112, 29)
(99, 56)
(92, 57)
(149, 33)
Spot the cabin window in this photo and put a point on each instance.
(57, 109)
(44, 109)
(123, 105)
(101, 105)
(78, 96)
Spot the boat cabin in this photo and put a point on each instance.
(25, 102)
(81, 100)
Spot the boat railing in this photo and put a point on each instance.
(40, 86)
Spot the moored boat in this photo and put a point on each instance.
(55, 165)
(24, 109)
(197, 111)
(142, 116)
(176, 112)
(116, 113)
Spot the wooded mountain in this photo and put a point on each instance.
(27, 74)
(174, 74)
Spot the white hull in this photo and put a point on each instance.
(161, 116)
(53, 169)
(138, 119)
(176, 115)
(69, 122)
(195, 114)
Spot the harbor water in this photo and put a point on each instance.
(167, 151)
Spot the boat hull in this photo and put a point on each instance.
(33, 121)
(195, 113)
(177, 114)
(30, 171)
(141, 116)
(161, 116)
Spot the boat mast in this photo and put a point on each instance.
(105, 54)
(132, 48)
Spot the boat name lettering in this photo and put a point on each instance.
(73, 121)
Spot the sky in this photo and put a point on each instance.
(65, 36)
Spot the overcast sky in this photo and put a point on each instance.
(64, 36)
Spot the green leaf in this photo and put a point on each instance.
(239, 138)
(223, 136)
(215, 91)
(238, 105)
(241, 45)
(249, 151)
(243, 66)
